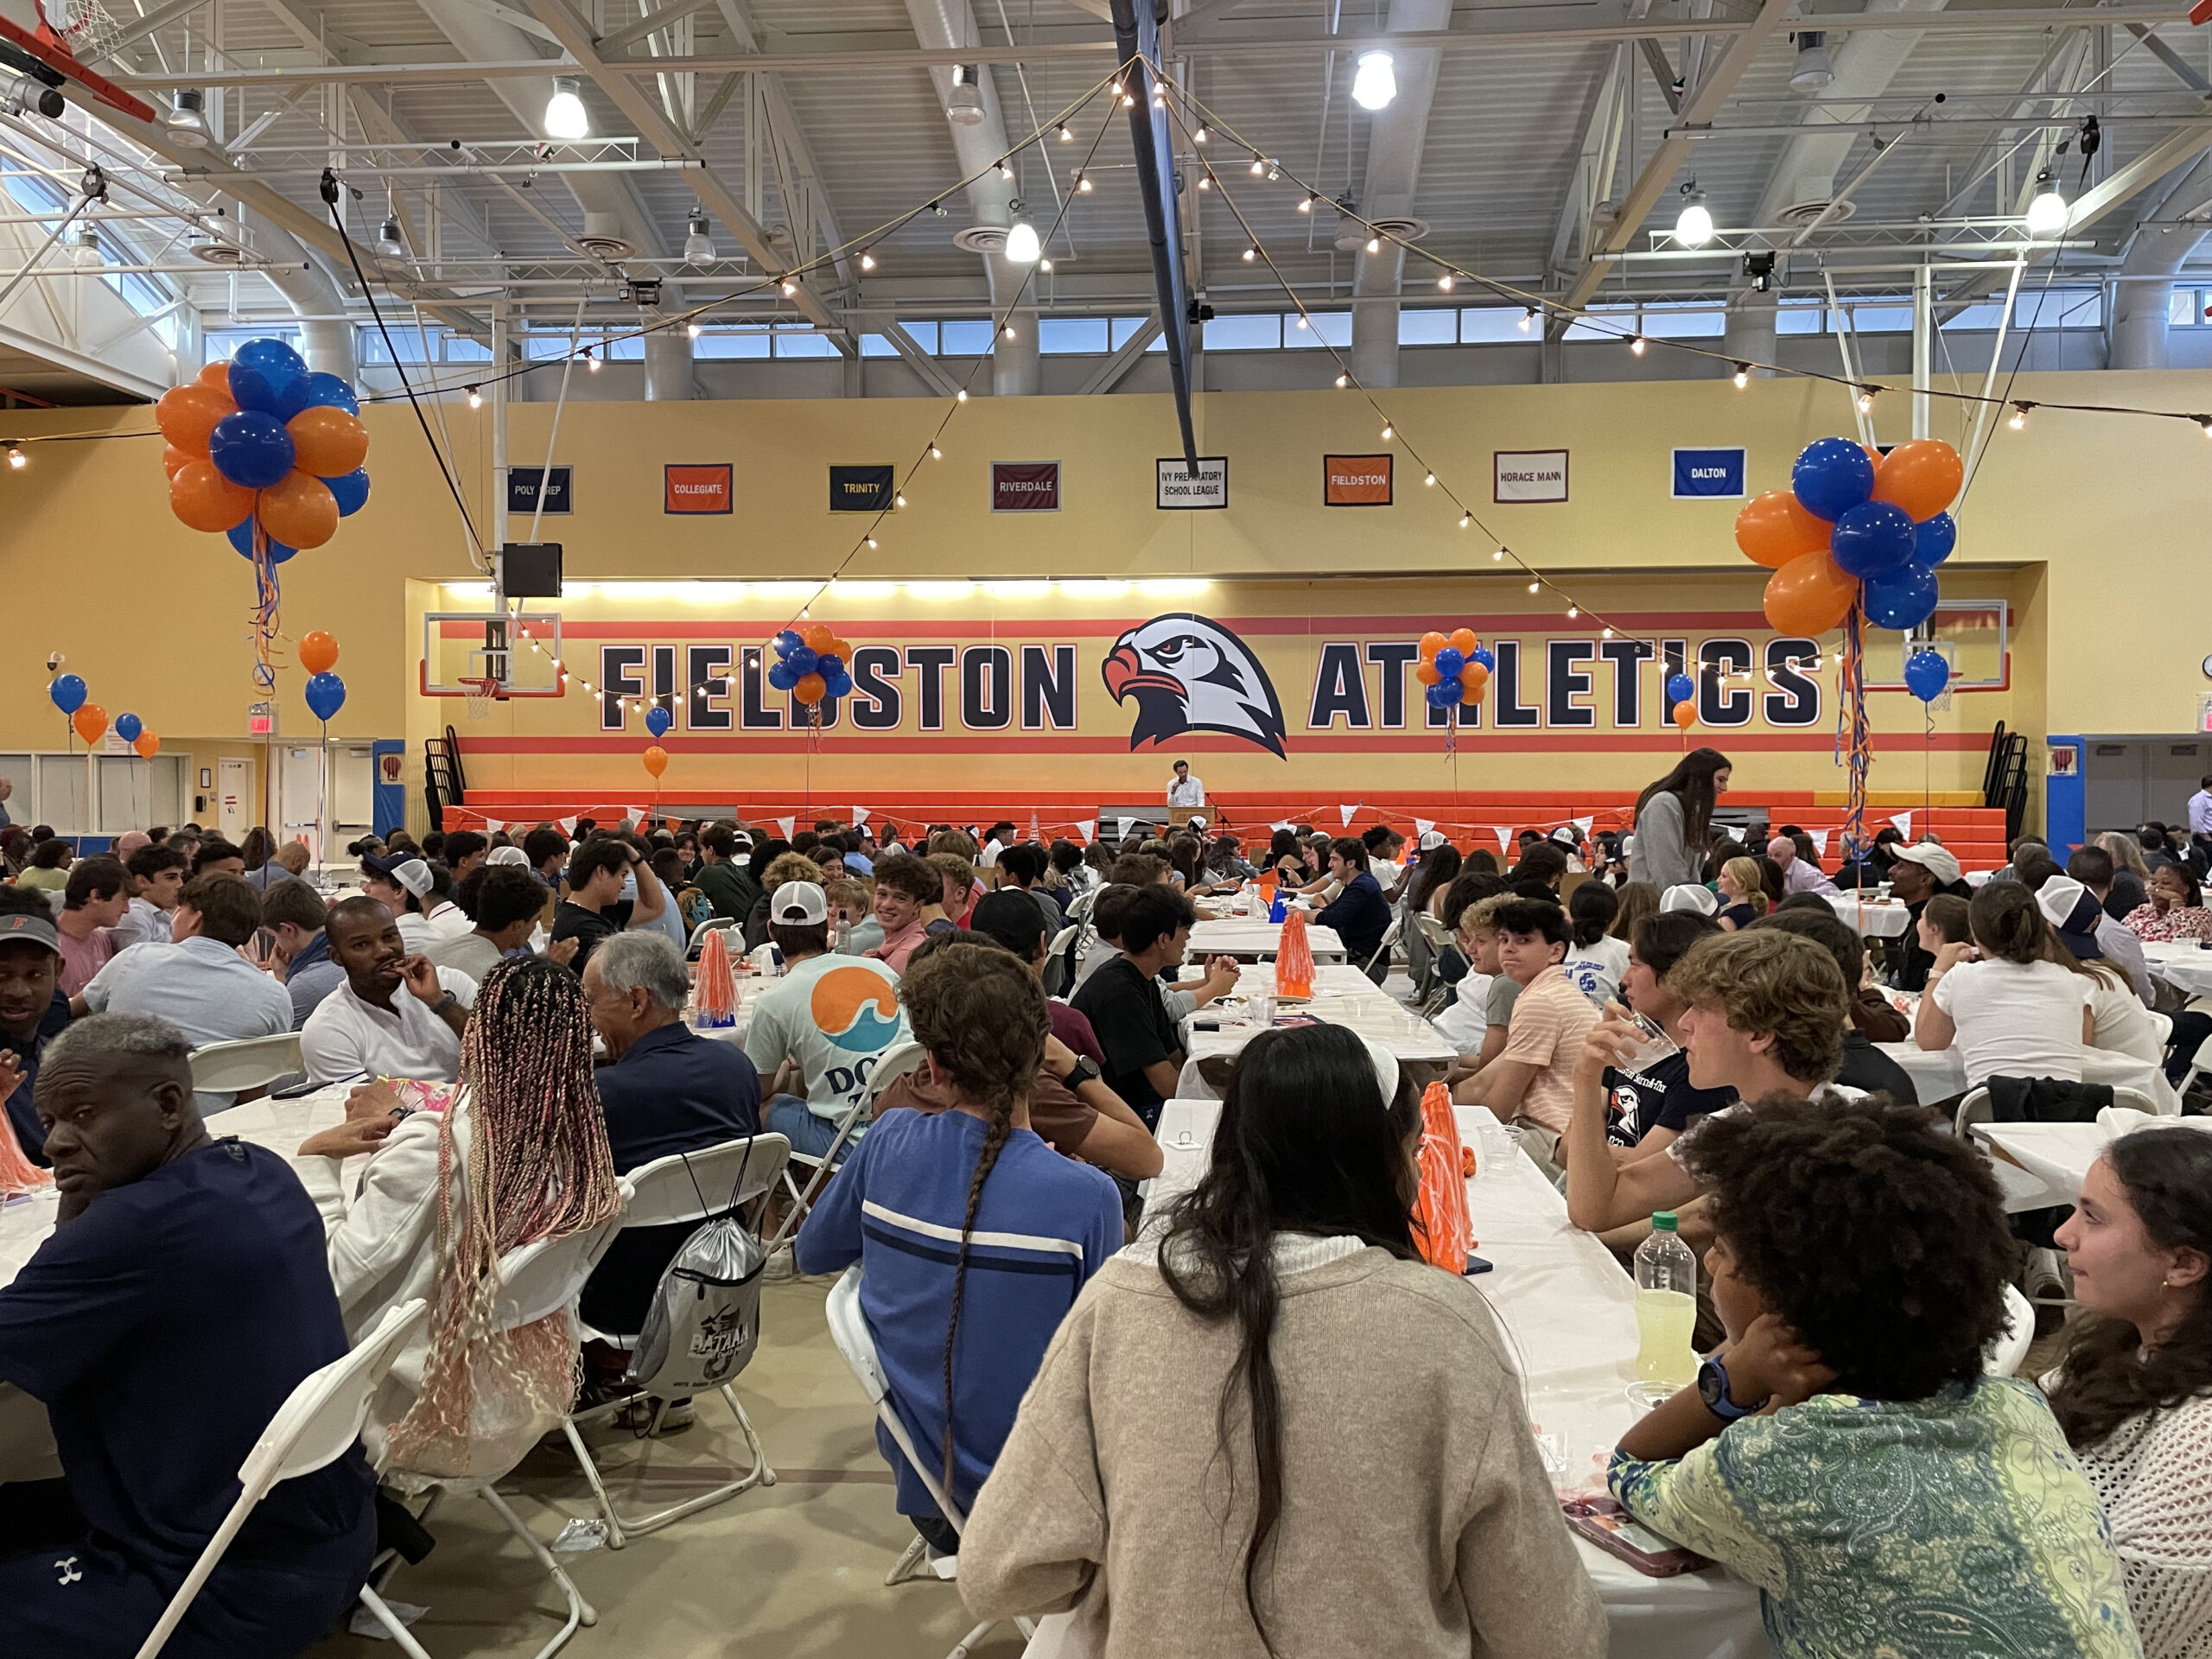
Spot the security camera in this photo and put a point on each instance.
(53, 661)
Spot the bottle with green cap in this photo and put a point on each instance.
(1666, 1308)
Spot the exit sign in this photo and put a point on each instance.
(260, 720)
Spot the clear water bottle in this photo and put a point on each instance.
(843, 943)
(1666, 1306)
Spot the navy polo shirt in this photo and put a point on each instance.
(1361, 915)
(30, 1134)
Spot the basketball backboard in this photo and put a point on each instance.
(517, 649)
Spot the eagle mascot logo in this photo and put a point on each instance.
(1187, 673)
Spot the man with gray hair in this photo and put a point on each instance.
(181, 1297)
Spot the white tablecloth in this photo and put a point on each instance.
(2181, 965)
(1343, 996)
(2061, 1153)
(1876, 921)
(1941, 1074)
(1246, 935)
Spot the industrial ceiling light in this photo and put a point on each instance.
(388, 240)
(1022, 247)
(1759, 267)
(22, 95)
(1814, 69)
(698, 246)
(187, 120)
(2047, 212)
(1375, 82)
(1693, 225)
(963, 104)
(565, 116)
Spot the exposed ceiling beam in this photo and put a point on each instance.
(138, 29)
(783, 119)
(2173, 59)
(2175, 150)
(1110, 374)
(1705, 102)
(616, 42)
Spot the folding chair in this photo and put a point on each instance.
(2197, 1067)
(685, 1187)
(2008, 1350)
(1383, 952)
(1060, 963)
(895, 1063)
(535, 1280)
(712, 925)
(251, 1063)
(317, 1424)
(849, 1329)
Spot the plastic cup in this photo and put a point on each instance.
(1261, 1010)
(1652, 1045)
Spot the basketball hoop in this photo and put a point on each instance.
(85, 26)
(481, 695)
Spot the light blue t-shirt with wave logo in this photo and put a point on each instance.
(837, 1015)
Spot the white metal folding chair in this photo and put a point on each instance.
(536, 1280)
(317, 1424)
(849, 1329)
(685, 1187)
(712, 925)
(251, 1062)
(1383, 950)
(2197, 1067)
(897, 1062)
(2009, 1350)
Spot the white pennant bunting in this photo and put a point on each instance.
(1582, 827)
(1422, 826)
(1505, 839)
(1121, 828)
(1089, 830)
(567, 826)
(860, 816)
(1819, 842)
(1280, 823)
(784, 825)
(1904, 822)
(1345, 813)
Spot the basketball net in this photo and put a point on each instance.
(482, 695)
(84, 26)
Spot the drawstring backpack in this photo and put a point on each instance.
(703, 1323)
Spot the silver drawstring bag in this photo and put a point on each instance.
(705, 1319)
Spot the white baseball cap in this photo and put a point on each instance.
(507, 856)
(1688, 896)
(1937, 859)
(799, 904)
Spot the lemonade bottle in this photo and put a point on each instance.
(1666, 1306)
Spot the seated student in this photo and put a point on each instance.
(464, 851)
(1799, 874)
(1743, 892)
(1845, 1451)
(282, 864)
(1282, 1330)
(1595, 960)
(1476, 938)
(92, 903)
(524, 1132)
(1654, 1104)
(2122, 945)
(1763, 1013)
(33, 1011)
(157, 876)
(1358, 913)
(199, 983)
(180, 1299)
(1866, 1068)
(2134, 1391)
(1916, 875)
(909, 896)
(852, 931)
(787, 865)
(1022, 866)
(546, 850)
(371, 1027)
(1530, 1083)
(974, 1235)
(1942, 921)
(508, 901)
(2173, 909)
(1122, 1000)
(722, 876)
(2007, 1006)
(664, 1090)
(1105, 925)
(819, 1030)
(299, 958)
(215, 856)
(611, 890)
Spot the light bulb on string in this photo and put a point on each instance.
(1251, 254)
(871, 542)
(1742, 376)
(694, 330)
(790, 287)
(1573, 611)
(899, 500)
(1302, 323)
(17, 459)
(1467, 520)
(1006, 167)
(961, 396)
(1066, 137)
(2205, 424)
(1446, 281)
(1388, 432)
(1306, 203)
(591, 363)
(1199, 136)
(1045, 266)
(476, 397)
(2019, 420)
(1527, 318)
(1342, 380)
(866, 260)
(1007, 331)
(1867, 399)
(1609, 634)
(936, 453)
(1533, 587)
(1259, 164)
(1429, 479)
(1498, 556)
(1635, 344)
(1083, 184)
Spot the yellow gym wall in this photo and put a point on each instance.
(2096, 520)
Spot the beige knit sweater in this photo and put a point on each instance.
(1417, 1518)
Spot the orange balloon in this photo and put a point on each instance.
(819, 637)
(812, 688)
(1426, 671)
(1431, 643)
(299, 510)
(1922, 475)
(90, 719)
(188, 414)
(147, 744)
(1809, 595)
(205, 499)
(327, 443)
(656, 759)
(1873, 454)
(844, 650)
(1686, 715)
(318, 652)
(174, 460)
(217, 375)
(1476, 678)
(1774, 527)
(1463, 641)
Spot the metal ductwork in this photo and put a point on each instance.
(1396, 133)
(979, 140)
(2141, 309)
(326, 338)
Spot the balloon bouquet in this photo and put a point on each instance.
(268, 455)
(813, 665)
(1456, 669)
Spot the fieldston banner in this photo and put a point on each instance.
(696, 489)
(1356, 481)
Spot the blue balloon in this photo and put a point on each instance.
(781, 677)
(1933, 540)
(128, 726)
(787, 642)
(1926, 674)
(67, 692)
(317, 391)
(241, 537)
(1873, 541)
(1483, 654)
(829, 665)
(1680, 688)
(1444, 694)
(1904, 599)
(325, 695)
(1450, 662)
(265, 376)
(802, 661)
(250, 448)
(1831, 477)
(658, 720)
(352, 490)
(840, 684)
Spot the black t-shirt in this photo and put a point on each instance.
(1122, 1004)
(1657, 1097)
(588, 927)
(1865, 1066)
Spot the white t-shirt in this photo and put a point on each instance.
(1188, 791)
(2124, 1024)
(2015, 1020)
(345, 1035)
(837, 1015)
(1597, 970)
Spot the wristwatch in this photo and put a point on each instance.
(447, 1002)
(1085, 1070)
(1713, 1389)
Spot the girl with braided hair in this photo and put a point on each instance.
(978, 1234)
(519, 1155)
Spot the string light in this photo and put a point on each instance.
(1527, 318)
(2205, 422)
(591, 363)
(1635, 344)
(790, 287)
(1467, 520)
(1609, 634)
(1044, 265)
(1867, 399)
(936, 453)
(1573, 611)
(1742, 376)
(1259, 164)
(1342, 380)
(1066, 137)
(2019, 420)
(868, 260)
(1533, 587)
(1444, 281)
(1251, 254)
(1497, 556)
(1006, 167)
(871, 542)
(1205, 182)
(1301, 320)
(1431, 479)
(1199, 136)
(1375, 244)
(900, 500)
(1388, 432)
(1008, 331)
(1306, 203)
(1128, 100)
(476, 397)
(1083, 184)
(17, 459)
(961, 396)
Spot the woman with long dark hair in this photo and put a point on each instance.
(1178, 1472)
(2008, 1007)
(1673, 819)
(977, 1235)
(2134, 1391)
(1438, 869)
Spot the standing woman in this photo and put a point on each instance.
(2134, 1391)
(1177, 1474)
(1674, 818)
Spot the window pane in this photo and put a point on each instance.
(460, 349)
(1800, 318)
(2060, 308)
(538, 347)
(1881, 319)
(632, 350)
(754, 342)
(969, 337)
(1070, 335)
(877, 346)
(2181, 308)
(1496, 324)
(803, 342)
(1604, 322)
(1125, 328)
(1668, 323)
(1433, 327)
(924, 334)
(1244, 334)
(1983, 317)
(1329, 327)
